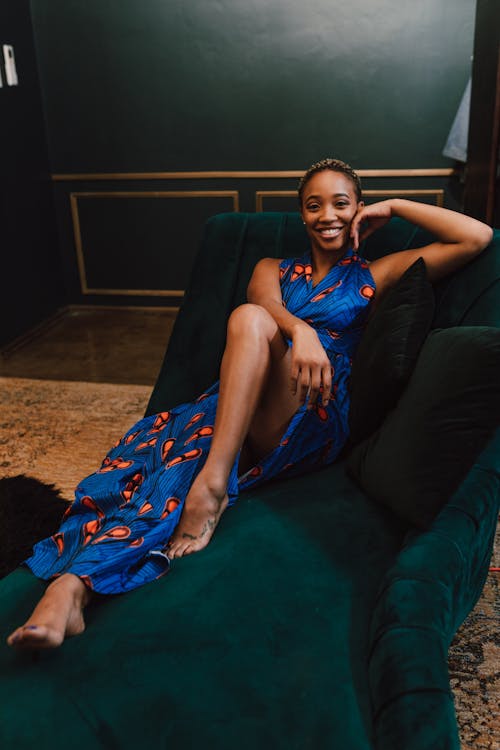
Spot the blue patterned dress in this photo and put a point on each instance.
(114, 534)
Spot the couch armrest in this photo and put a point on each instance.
(434, 583)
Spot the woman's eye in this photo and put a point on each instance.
(312, 207)
(342, 204)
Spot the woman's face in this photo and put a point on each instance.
(329, 205)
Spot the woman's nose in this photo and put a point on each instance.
(328, 213)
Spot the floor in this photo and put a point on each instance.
(99, 346)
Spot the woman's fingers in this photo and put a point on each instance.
(355, 232)
(305, 384)
(300, 380)
(356, 226)
(311, 371)
(367, 220)
(327, 383)
(361, 232)
(321, 385)
(294, 377)
(314, 384)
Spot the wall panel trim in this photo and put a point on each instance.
(438, 193)
(237, 189)
(242, 174)
(80, 253)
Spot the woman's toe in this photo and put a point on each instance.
(26, 633)
(14, 637)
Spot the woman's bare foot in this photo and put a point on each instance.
(58, 614)
(201, 513)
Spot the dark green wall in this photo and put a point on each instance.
(167, 85)
(143, 85)
(32, 286)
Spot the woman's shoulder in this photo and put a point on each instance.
(283, 264)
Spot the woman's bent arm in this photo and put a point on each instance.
(310, 367)
(460, 238)
(264, 290)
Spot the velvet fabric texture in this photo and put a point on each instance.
(388, 350)
(424, 597)
(314, 619)
(446, 415)
(261, 640)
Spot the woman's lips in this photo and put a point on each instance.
(330, 232)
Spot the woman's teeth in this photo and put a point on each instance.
(330, 232)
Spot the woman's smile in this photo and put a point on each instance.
(330, 232)
(329, 204)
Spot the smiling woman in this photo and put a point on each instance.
(334, 213)
(330, 197)
(280, 408)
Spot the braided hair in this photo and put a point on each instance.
(335, 165)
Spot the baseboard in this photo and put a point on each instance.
(33, 333)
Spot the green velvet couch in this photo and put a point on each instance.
(314, 619)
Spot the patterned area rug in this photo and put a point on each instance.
(60, 431)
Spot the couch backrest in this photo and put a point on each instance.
(233, 243)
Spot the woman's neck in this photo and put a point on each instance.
(322, 262)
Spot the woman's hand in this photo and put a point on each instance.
(368, 219)
(311, 368)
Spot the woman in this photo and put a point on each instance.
(280, 407)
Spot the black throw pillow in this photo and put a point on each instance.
(443, 420)
(388, 350)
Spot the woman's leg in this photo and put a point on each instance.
(255, 402)
(58, 614)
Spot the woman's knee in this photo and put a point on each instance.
(249, 318)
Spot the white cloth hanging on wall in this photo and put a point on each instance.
(456, 145)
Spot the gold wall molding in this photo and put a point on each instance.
(75, 215)
(241, 174)
(438, 193)
(260, 196)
